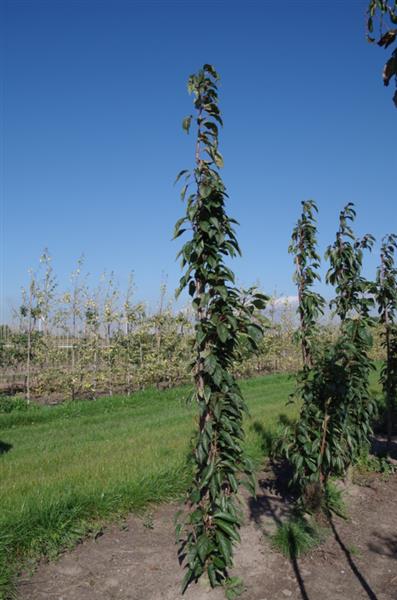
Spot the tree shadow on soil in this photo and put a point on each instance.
(276, 498)
(360, 577)
(386, 545)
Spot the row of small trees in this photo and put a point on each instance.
(337, 412)
(83, 345)
(83, 342)
(338, 408)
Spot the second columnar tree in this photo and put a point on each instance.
(303, 444)
(223, 320)
(335, 420)
(353, 302)
(386, 296)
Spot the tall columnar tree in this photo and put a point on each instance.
(303, 446)
(386, 296)
(223, 320)
(307, 262)
(352, 303)
(383, 14)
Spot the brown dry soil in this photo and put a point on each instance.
(137, 561)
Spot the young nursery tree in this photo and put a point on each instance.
(335, 420)
(386, 296)
(74, 310)
(353, 303)
(211, 525)
(304, 447)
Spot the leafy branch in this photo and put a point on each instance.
(384, 13)
(386, 296)
(307, 262)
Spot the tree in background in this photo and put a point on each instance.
(223, 320)
(383, 14)
(36, 313)
(353, 303)
(335, 421)
(386, 296)
(303, 444)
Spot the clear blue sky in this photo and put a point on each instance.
(94, 95)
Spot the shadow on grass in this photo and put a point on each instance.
(276, 498)
(5, 447)
(270, 438)
(379, 446)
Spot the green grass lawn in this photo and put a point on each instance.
(77, 464)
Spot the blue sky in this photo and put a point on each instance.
(94, 95)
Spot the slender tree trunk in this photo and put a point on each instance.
(29, 347)
(301, 289)
(110, 373)
(73, 350)
(323, 478)
(389, 395)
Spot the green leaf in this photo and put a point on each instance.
(223, 332)
(255, 332)
(218, 158)
(228, 529)
(211, 363)
(211, 575)
(225, 546)
(203, 546)
(205, 190)
(226, 517)
(183, 191)
(186, 123)
(180, 174)
(186, 580)
(178, 233)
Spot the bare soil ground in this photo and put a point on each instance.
(137, 561)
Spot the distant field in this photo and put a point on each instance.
(65, 467)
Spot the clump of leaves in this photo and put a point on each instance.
(296, 537)
(307, 262)
(225, 323)
(371, 463)
(384, 12)
(234, 587)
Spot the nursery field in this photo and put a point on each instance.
(68, 469)
(115, 484)
(65, 468)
